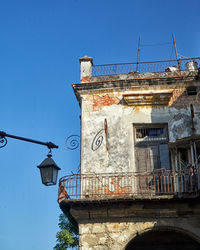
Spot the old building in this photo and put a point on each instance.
(139, 182)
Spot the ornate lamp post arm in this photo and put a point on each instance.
(3, 140)
(48, 168)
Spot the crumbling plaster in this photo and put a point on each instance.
(120, 119)
(112, 224)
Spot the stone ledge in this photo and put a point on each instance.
(131, 209)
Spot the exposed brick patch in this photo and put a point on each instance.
(100, 101)
(180, 99)
(117, 192)
(176, 94)
(85, 79)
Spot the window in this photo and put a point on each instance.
(192, 90)
(151, 147)
(150, 134)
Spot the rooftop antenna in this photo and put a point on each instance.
(138, 54)
(178, 60)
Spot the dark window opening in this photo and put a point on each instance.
(191, 90)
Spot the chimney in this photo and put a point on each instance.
(86, 64)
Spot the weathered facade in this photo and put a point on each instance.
(140, 150)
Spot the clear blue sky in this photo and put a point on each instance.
(40, 45)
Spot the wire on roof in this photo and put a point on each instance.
(182, 56)
(156, 44)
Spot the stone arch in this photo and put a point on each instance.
(163, 228)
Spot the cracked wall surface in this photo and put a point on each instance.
(109, 226)
(98, 106)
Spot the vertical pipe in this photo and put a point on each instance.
(106, 133)
(192, 118)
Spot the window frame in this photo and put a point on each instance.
(148, 143)
(151, 125)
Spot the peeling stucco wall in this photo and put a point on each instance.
(107, 146)
(98, 106)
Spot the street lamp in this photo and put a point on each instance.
(49, 171)
(48, 168)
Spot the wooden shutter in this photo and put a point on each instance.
(153, 157)
(147, 158)
(164, 156)
(140, 159)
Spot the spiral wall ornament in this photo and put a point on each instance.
(72, 142)
(97, 141)
(3, 142)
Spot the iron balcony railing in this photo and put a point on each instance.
(144, 67)
(126, 185)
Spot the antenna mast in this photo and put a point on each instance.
(178, 60)
(138, 54)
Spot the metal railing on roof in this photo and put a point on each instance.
(145, 67)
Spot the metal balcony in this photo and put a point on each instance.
(128, 186)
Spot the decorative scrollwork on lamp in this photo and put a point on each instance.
(3, 142)
(72, 142)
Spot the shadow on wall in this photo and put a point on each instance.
(180, 111)
(151, 139)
